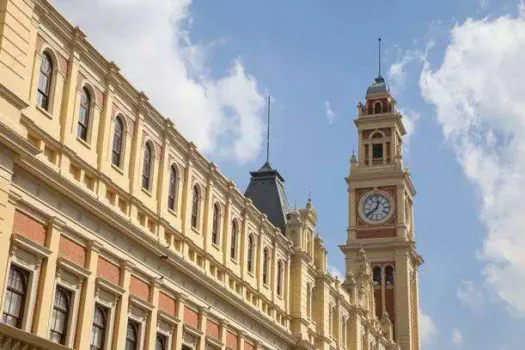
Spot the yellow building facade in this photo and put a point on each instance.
(116, 233)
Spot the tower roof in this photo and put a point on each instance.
(378, 87)
(266, 190)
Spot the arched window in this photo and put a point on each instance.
(146, 167)
(98, 332)
(389, 275)
(235, 232)
(83, 116)
(15, 297)
(377, 107)
(250, 253)
(132, 336)
(60, 316)
(334, 322)
(266, 263)
(172, 191)
(118, 137)
(377, 276)
(280, 273)
(160, 343)
(195, 206)
(216, 225)
(330, 324)
(44, 82)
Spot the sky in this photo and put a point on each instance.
(455, 68)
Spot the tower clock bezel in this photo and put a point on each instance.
(370, 193)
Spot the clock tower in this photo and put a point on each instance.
(380, 212)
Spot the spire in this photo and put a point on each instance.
(379, 54)
(268, 134)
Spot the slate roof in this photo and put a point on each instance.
(266, 190)
(378, 87)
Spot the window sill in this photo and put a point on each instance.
(216, 246)
(146, 191)
(234, 260)
(172, 212)
(44, 112)
(195, 230)
(83, 143)
(250, 273)
(117, 168)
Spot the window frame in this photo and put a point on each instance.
(84, 114)
(47, 95)
(172, 188)
(250, 253)
(25, 274)
(195, 206)
(280, 278)
(216, 224)
(106, 315)
(147, 166)
(66, 312)
(234, 240)
(266, 267)
(120, 154)
(136, 327)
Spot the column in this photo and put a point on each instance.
(402, 297)
(222, 336)
(8, 203)
(121, 313)
(47, 280)
(87, 299)
(242, 336)
(203, 320)
(177, 336)
(187, 190)
(104, 135)
(151, 327)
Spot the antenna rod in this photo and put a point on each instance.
(379, 53)
(268, 134)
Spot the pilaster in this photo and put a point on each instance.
(177, 337)
(121, 313)
(87, 299)
(47, 280)
(151, 327)
(105, 136)
(8, 203)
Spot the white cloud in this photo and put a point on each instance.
(471, 295)
(478, 93)
(150, 41)
(428, 328)
(397, 71)
(330, 115)
(457, 337)
(334, 271)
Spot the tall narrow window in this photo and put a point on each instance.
(266, 257)
(216, 224)
(172, 188)
(309, 300)
(60, 316)
(117, 142)
(98, 331)
(377, 276)
(235, 232)
(44, 82)
(377, 107)
(250, 253)
(377, 151)
(160, 342)
(15, 297)
(280, 278)
(83, 117)
(389, 275)
(146, 167)
(132, 336)
(195, 207)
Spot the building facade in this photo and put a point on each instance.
(116, 233)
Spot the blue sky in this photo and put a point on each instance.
(454, 67)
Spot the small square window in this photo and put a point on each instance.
(377, 151)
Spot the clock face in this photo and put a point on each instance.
(376, 207)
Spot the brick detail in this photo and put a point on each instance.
(191, 317)
(378, 233)
(167, 304)
(139, 288)
(72, 251)
(212, 329)
(248, 345)
(108, 270)
(28, 227)
(232, 341)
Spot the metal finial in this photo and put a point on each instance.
(379, 54)
(268, 134)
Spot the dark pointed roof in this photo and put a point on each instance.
(266, 190)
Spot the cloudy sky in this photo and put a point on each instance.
(456, 69)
